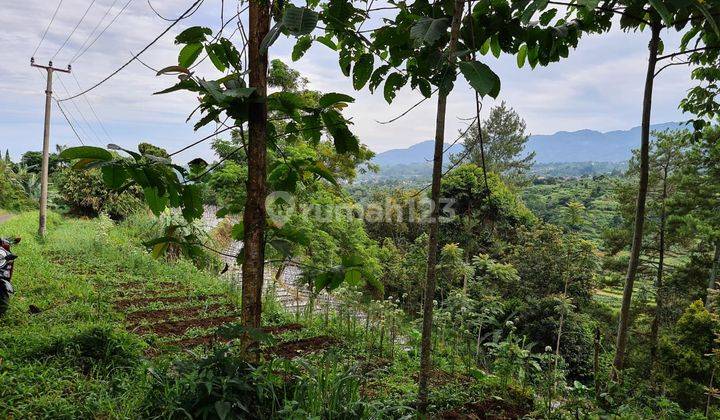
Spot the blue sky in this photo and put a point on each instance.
(598, 87)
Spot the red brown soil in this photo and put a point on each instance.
(182, 326)
(126, 303)
(279, 329)
(137, 284)
(133, 293)
(133, 318)
(491, 408)
(439, 378)
(291, 349)
(207, 340)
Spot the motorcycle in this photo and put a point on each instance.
(6, 271)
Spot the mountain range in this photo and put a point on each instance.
(563, 146)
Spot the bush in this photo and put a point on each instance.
(539, 321)
(85, 193)
(91, 349)
(12, 195)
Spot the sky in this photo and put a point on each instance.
(598, 87)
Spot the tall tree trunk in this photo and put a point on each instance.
(715, 267)
(624, 322)
(254, 214)
(426, 342)
(654, 330)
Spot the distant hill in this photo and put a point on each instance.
(589, 145)
(581, 148)
(418, 153)
(563, 146)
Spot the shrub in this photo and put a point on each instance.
(94, 348)
(85, 193)
(539, 321)
(12, 195)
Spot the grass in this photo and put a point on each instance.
(95, 322)
(75, 358)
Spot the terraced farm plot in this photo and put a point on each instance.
(93, 311)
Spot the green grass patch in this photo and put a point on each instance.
(74, 358)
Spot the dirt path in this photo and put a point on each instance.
(5, 217)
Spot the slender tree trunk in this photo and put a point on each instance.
(624, 321)
(426, 342)
(709, 394)
(715, 267)
(254, 214)
(654, 330)
(596, 363)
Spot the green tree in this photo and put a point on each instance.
(504, 139)
(575, 215)
(696, 200)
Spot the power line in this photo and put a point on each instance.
(52, 19)
(82, 18)
(183, 16)
(92, 109)
(62, 111)
(79, 111)
(67, 118)
(94, 29)
(80, 54)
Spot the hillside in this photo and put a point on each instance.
(562, 147)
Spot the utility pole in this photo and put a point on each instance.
(46, 142)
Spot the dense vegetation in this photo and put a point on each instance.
(490, 292)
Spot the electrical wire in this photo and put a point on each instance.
(52, 19)
(82, 115)
(82, 18)
(92, 109)
(68, 121)
(63, 112)
(77, 56)
(186, 14)
(94, 30)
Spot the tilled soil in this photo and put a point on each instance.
(180, 327)
(134, 318)
(210, 339)
(127, 303)
(139, 292)
(292, 349)
(488, 409)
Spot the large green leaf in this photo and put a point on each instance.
(662, 10)
(344, 140)
(333, 98)
(533, 7)
(363, 70)
(270, 38)
(522, 55)
(192, 202)
(428, 30)
(193, 35)
(323, 172)
(299, 20)
(216, 53)
(155, 201)
(481, 78)
(393, 83)
(86, 152)
(189, 53)
(114, 176)
(301, 46)
(238, 231)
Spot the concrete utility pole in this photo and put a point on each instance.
(46, 142)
